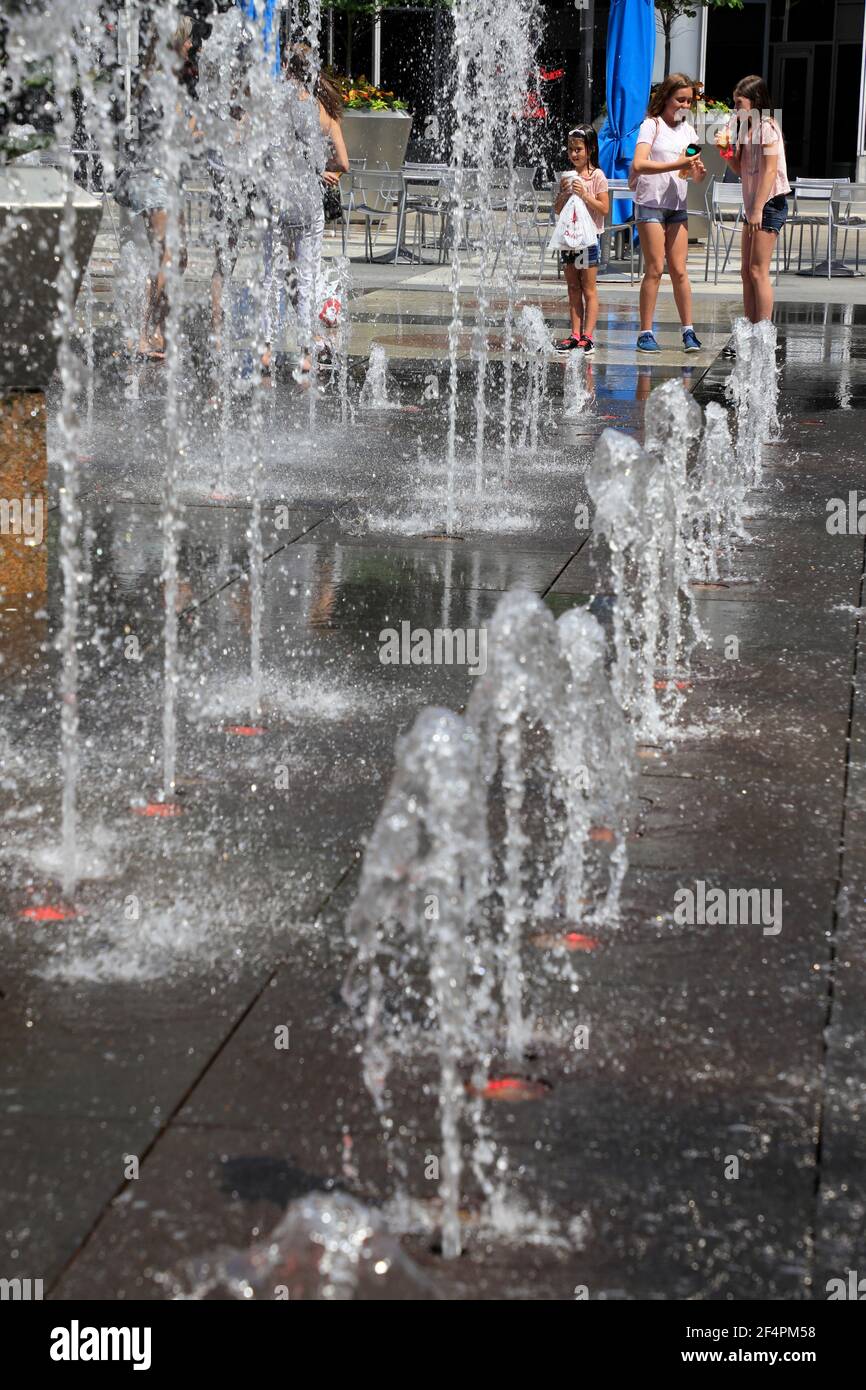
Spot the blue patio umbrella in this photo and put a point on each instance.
(631, 43)
(265, 15)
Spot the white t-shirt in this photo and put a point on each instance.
(666, 144)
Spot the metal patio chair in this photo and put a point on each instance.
(812, 207)
(724, 204)
(619, 189)
(850, 200)
(427, 189)
(376, 195)
(527, 206)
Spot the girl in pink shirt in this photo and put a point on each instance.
(757, 154)
(587, 182)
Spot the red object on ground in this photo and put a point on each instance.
(330, 311)
(575, 941)
(514, 1088)
(158, 808)
(602, 834)
(48, 913)
(245, 730)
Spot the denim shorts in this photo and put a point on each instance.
(571, 257)
(775, 214)
(667, 216)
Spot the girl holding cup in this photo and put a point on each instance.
(755, 149)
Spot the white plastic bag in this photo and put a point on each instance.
(575, 229)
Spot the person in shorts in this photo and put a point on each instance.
(660, 169)
(586, 181)
(755, 150)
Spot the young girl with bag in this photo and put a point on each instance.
(586, 183)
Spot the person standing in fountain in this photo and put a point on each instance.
(318, 156)
(586, 181)
(144, 188)
(757, 154)
(659, 171)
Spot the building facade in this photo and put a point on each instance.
(814, 60)
(813, 57)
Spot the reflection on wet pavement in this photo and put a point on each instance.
(196, 934)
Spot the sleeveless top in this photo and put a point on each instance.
(295, 159)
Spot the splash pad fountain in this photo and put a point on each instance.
(504, 834)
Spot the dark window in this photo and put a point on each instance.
(793, 96)
(822, 105)
(846, 106)
(735, 48)
(810, 22)
(412, 66)
(849, 21)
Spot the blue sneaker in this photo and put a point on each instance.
(646, 343)
(691, 341)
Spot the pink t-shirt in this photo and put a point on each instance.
(752, 153)
(596, 184)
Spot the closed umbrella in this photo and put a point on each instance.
(631, 43)
(265, 14)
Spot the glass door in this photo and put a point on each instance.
(793, 74)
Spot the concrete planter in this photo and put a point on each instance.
(379, 136)
(28, 290)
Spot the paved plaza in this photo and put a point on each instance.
(144, 1026)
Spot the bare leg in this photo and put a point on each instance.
(216, 306)
(746, 274)
(588, 279)
(152, 333)
(652, 241)
(677, 251)
(575, 299)
(761, 255)
(156, 308)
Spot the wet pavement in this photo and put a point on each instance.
(145, 1026)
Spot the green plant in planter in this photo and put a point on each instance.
(360, 95)
(14, 142)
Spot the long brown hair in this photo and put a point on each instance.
(147, 64)
(754, 89)
(330, 97)
(298, 65)
(748, 123)
(665, 90)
